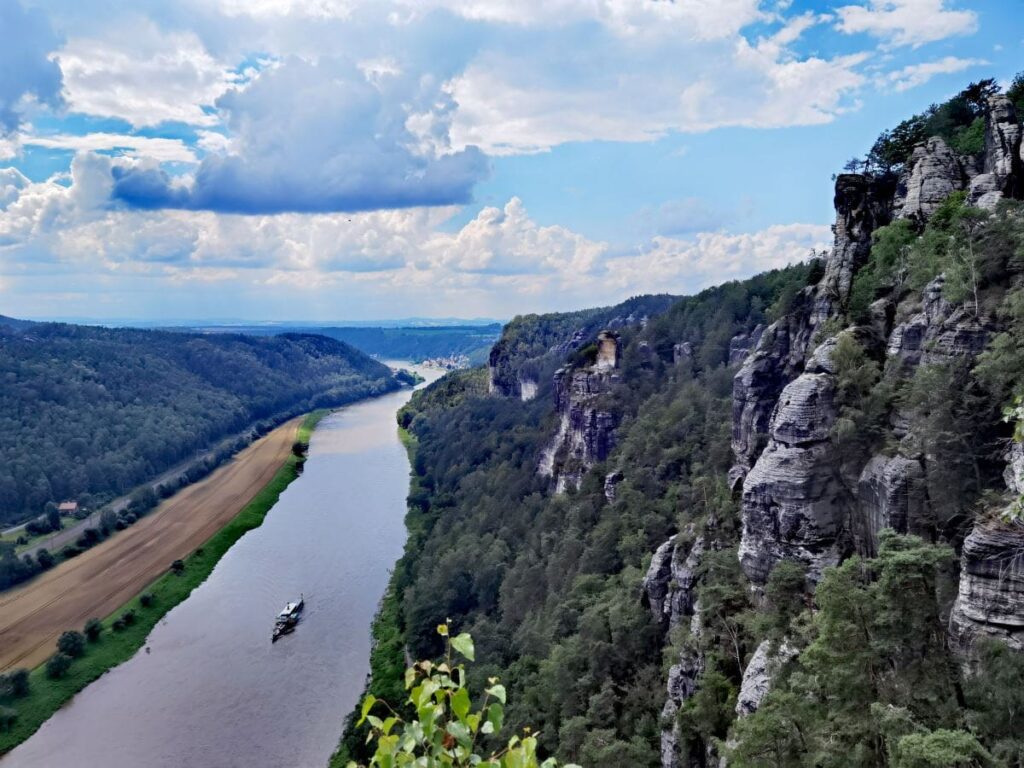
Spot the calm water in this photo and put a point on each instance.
(212, 692)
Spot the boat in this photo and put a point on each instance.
(287, 619)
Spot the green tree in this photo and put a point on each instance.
(93, 629)
(7, 718)
(941, 749)
(18, 682)
(58, 665)
(71, 643)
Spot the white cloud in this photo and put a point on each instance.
(511, 105)
(158, 149)
(26, 72)
(906, 22)
(918, 74)
(56, 236)
(141, 74)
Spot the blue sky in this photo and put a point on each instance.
(329, 159)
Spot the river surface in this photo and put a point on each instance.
(210, 691)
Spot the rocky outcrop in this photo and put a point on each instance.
(682, 684)
(1003, 170)
(990, 599)
(937, 333)
(1013, 475)
(668, 587)
(742, 343)
(587, 422)
(611, 483)
(935, 174)
(891, 494)
(863, 203)
(682, 351)
(761, 670)
(794, 505)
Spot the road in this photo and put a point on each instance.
(103, 578)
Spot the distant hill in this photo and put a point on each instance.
(88, 410)
(411, 342)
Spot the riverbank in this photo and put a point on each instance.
(247, 511)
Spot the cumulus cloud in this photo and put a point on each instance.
(918, 74)
(57, 233)
(906, 22)
(314, 137)
(618, 92)
(144, 75)
(26, 71)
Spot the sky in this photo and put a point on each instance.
(367, 159)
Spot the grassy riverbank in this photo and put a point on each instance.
(114, 647)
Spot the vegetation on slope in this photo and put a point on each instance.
(118, 638)
(89, 413)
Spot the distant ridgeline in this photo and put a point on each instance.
(415, 343)
(778, 523)
(87, 411)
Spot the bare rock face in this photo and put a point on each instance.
(611, 482)
(742, 343)
(862, 205)
(990, 600)
(682, 351)
(1003, 173)
(891, 495)
(764, 665)
(935, 174)
(682, 684)
(794, 505)
(938, 333)
(1014, 472)
(668, 587)
(586, 431)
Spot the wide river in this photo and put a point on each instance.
(209, 690)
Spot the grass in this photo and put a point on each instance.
(47, 696)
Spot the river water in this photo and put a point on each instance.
(211, 691)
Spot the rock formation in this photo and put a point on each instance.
(587, 422)
(762, 668)
(935, 174)
(1003, 170)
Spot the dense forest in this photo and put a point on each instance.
(88, 413)
(778, 523)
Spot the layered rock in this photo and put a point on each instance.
(587, 423)
(1003, 169)
(741, 345)
(759, 674)
(794, 505)
(891, 494)
(935, 173)
(611, 483)
(990, 599)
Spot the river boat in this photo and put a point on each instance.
(287, 619)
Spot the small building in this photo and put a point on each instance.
(68, 507)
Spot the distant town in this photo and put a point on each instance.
(449, 363)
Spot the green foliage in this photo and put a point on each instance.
(995, 700)
(956, 121)
(862, 401)
(71, 643)
(93, 629)
(888, 266)
(8, 715)
(58, 665)
(443, 728)
(1016, 93)
(879, 640)
(90, 410)
(940, 749)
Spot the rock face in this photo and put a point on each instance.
(742, 343)
(935, 174)
(891, 492)
(794, 505)
(1003, 170)
(764, 665)
(990, 600)
(586, 431)
(611, 482)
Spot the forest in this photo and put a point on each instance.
(88, 413)
(551, 586)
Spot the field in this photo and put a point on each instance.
(108, 575)
(115, 647)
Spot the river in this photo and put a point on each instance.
(210, 691)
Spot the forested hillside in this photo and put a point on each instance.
(96, 411)
(778, 523)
